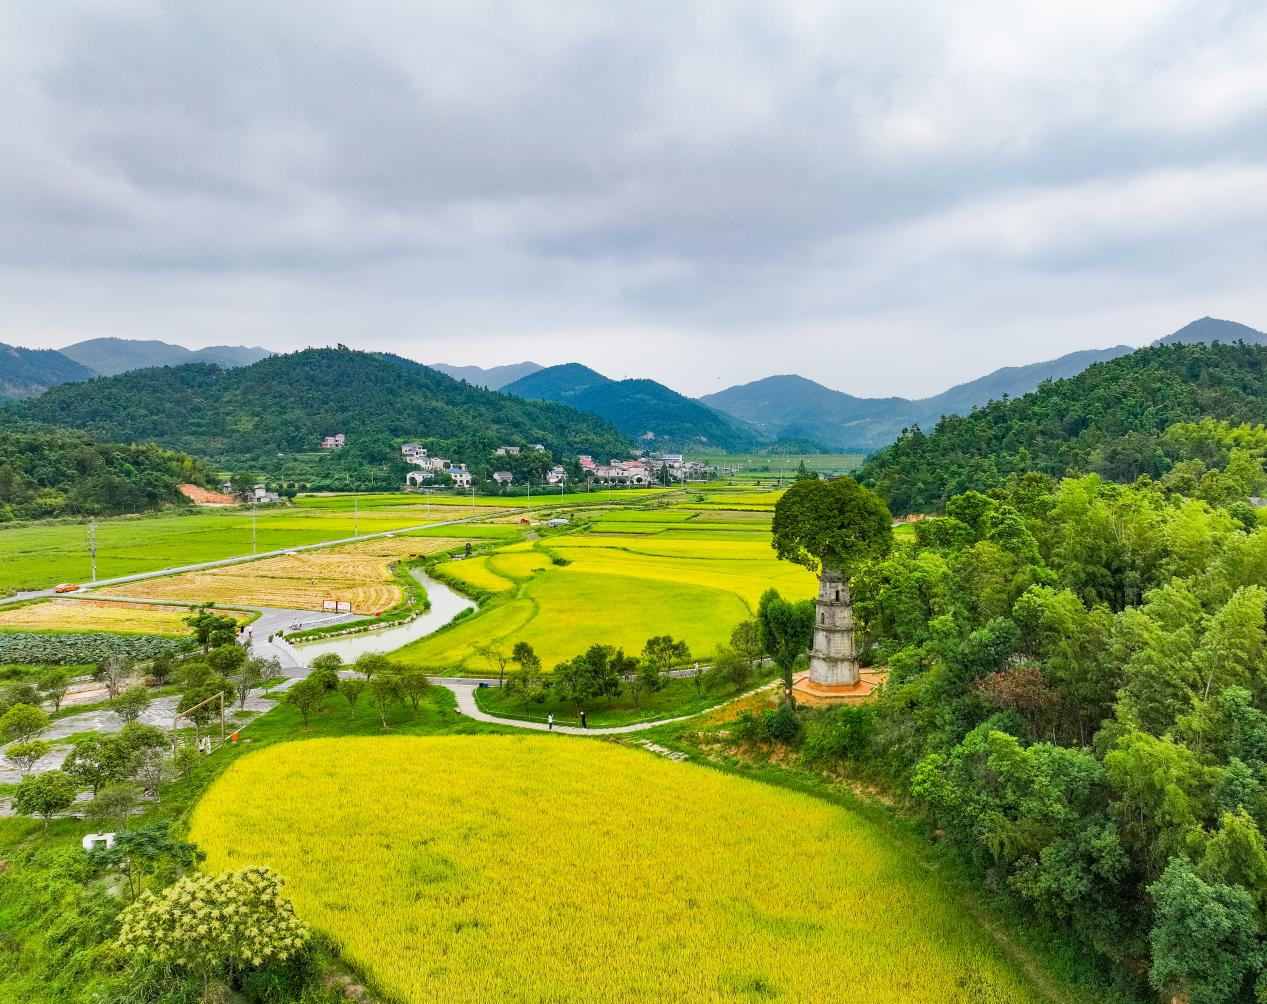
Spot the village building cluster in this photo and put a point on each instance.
(431, 466)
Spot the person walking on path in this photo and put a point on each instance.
(550, 720)
(583, 725)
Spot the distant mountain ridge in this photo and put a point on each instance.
(28, 372)
(647, 412)
(285, 404)
(792, 406)
(1212, 329)
(492, 378)
(111, 356)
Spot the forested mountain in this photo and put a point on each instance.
(792, 406)
(57, 473)
(27, 372)
(1212, 329)
(492, 378)
(108, 356)
(1077, 702)
(285, 404)
(556, 383)
(1110, 419)
(644, 410)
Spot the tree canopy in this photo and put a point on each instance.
(836, 523)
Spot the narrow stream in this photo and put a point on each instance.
(445, 605)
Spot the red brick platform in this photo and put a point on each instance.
(807, 692)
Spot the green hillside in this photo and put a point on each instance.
(58, 474)
(1109, 420)
(285, 404)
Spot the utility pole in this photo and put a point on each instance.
(356, 515)
(472, 496)
(92, 547)
(254, 540)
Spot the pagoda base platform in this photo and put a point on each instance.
(806, 691)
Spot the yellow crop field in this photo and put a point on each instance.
(99, 615)
(495, 868)
(619, 590)
(358, 573)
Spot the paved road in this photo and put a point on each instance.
(220, 563)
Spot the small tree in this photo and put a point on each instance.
(151, 768)
(352, 689)
(21, 723)
(730, 669)
(53, 684)
(663, 651)
(247, 677)
(130, 703)
(496, 658)
(210, 629)
(24, 756)
(114, 805)
(227, 659)
(370, 663)
(384, 691)
(44, 795)
(307, 697)
(414, 685)
(525, 679)
(161, 667)
(114, 671)
(745, 639)
(787, 629)
(146, 852)
(95, 761)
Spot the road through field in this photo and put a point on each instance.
(221, 562)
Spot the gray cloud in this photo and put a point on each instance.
(696, 191)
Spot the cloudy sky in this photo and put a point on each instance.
(701, 192)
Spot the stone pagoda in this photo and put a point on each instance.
(833, 661)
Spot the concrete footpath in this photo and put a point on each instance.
(464, 691)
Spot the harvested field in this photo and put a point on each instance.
(357, 573)
(99, 615)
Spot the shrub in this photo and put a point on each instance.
(842, 733)
(216, 928)
(781, 726)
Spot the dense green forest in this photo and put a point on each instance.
(1078, 701)
(1109, 420)
(58, 474)
(285, 404)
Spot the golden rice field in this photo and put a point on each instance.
(358, 573)
(617, 589)
(98, 615)
(495, 868)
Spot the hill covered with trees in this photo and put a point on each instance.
(45, 474)
(643, 410)
(1077, 701)
(1112, 419)
(285, 404)
(27, 372)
